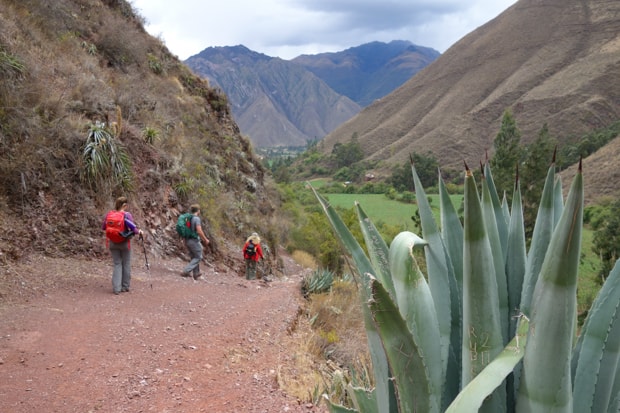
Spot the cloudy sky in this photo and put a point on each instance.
(288, 28)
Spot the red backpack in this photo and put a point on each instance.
(114, 225)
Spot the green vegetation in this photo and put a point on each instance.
(318, 281)
(106, 161)
(587, 144)
(468, 310)
(605, 220)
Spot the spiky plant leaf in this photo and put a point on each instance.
(516, 256)
(543, 228)
(492, 214)
(452, 235)
(473, 395)
(500, 217)
(364, 400)
(482, 337)
(598, 351)
(545, 383)
(377, 249)
(415, 303)
(440, 275)
(558, 200)
(334, 408)
(384, 388)
(407, 363)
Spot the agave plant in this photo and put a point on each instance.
(106, 161)
(491, 327)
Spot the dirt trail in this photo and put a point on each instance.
(171, 344)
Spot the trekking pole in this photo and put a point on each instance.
(146, 260)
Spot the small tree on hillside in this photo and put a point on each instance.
(508, 152)
(538, 156)
(346, 154)
(607, 238)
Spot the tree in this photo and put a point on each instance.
(538, 156)
(425, 165)
(508, 152)
(346, 154)
(606, 242)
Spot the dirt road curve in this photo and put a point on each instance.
(171, 344)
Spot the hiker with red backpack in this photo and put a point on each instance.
(119, 227)
(252, 252)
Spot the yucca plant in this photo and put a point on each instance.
(318, 281)
(490, 328)
(106, 162)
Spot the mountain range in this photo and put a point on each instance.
(278, 102)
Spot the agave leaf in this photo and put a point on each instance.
(506, 213)
(473, 395)
(543, 228)
(363, 399)
(335, 408)
(415, 303)
(502, 223)
(377, 249)
(558, 199)
(384, 388)
(482, 337)
(516, 257)
(598, 350)
(452, 235)
(407, 363)
(440, 273)
(491, 218)
(545, 382)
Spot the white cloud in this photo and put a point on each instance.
(288, 28)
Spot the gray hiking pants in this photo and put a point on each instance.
(121, 256)
(194, 247)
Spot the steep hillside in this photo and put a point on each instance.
(68, 65)
(370, 71)
(275, 102)
(553, 61)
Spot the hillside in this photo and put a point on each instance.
(553, 61)
(288, 103)
(70, 66)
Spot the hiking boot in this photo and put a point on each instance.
(124, 290)
(196, 276)
(185, 274)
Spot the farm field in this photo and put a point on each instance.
(382, 209)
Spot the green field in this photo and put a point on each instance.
(380, 208)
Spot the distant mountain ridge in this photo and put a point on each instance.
(370, 71)
(288, 103)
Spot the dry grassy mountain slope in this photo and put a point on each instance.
(67, 64)
(553, 61)
(275, 102)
